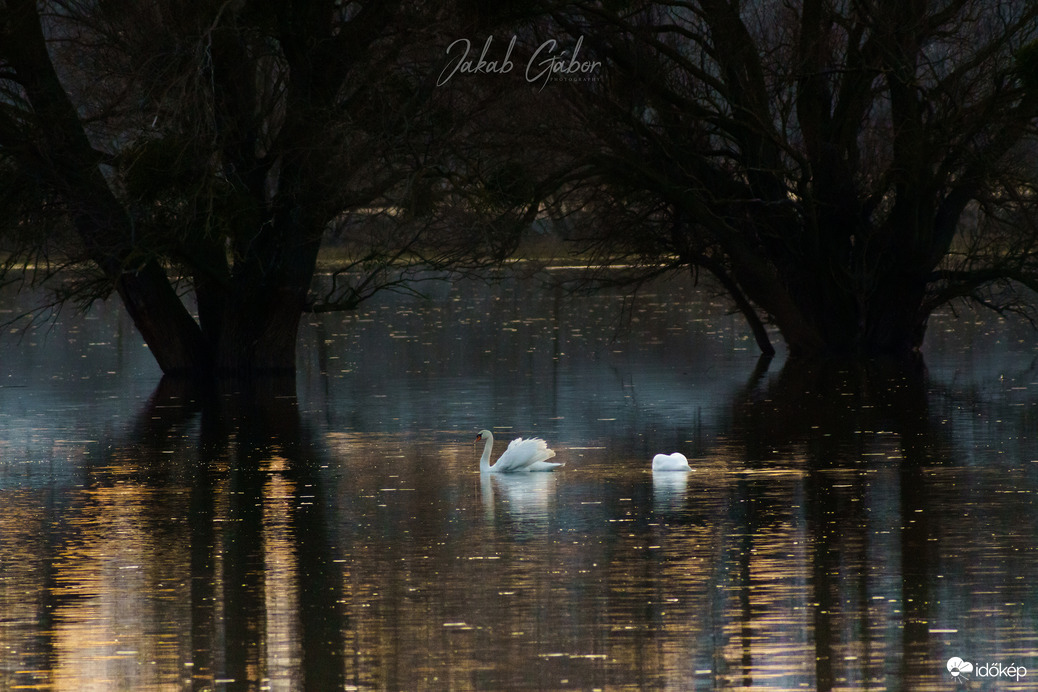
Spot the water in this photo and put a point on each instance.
(845, 528)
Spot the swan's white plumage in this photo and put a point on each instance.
(670, 462)
(521, 456)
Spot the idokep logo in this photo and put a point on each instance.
(961, 670)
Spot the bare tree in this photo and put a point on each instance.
(841, 167)
(210, 149)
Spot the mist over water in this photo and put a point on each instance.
(845, 527)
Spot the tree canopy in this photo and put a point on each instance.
(194, 157)
(841, 168)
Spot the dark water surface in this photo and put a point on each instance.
(844, 528)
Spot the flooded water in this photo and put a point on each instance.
(844, 528)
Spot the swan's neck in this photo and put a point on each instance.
(484, 461)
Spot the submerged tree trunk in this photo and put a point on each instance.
(261, 318)
(225, 164)
(247, 322)
(888, 326)
(64, 157)
(842, 176)
(882, 314)
(168, 329)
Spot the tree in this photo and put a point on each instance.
(842, 168)
(195, 151)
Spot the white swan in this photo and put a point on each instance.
(670, 462)
(521, 455)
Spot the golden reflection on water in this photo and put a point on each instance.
(631, 599)
(602, 575)
(780, 575)
(824, 545)
(281, 581)
(112, 580)
(115, 608)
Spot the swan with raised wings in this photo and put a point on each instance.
(521, 456)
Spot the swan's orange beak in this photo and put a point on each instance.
(478, 438)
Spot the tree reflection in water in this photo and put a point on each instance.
(845, 527)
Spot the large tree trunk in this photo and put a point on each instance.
(261, 320)
(164, 323)
(63, 156)
(895, 320)
(248, 314)
(830, 303)
(832, 319)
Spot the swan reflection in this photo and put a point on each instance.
(525, 497)
(669, 490)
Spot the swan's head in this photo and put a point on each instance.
(483, 435)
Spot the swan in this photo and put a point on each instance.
(521, 455)
(670, 462)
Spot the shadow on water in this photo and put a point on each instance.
(228, 476)
(253, 442)
(846, 527)
(879, 497)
